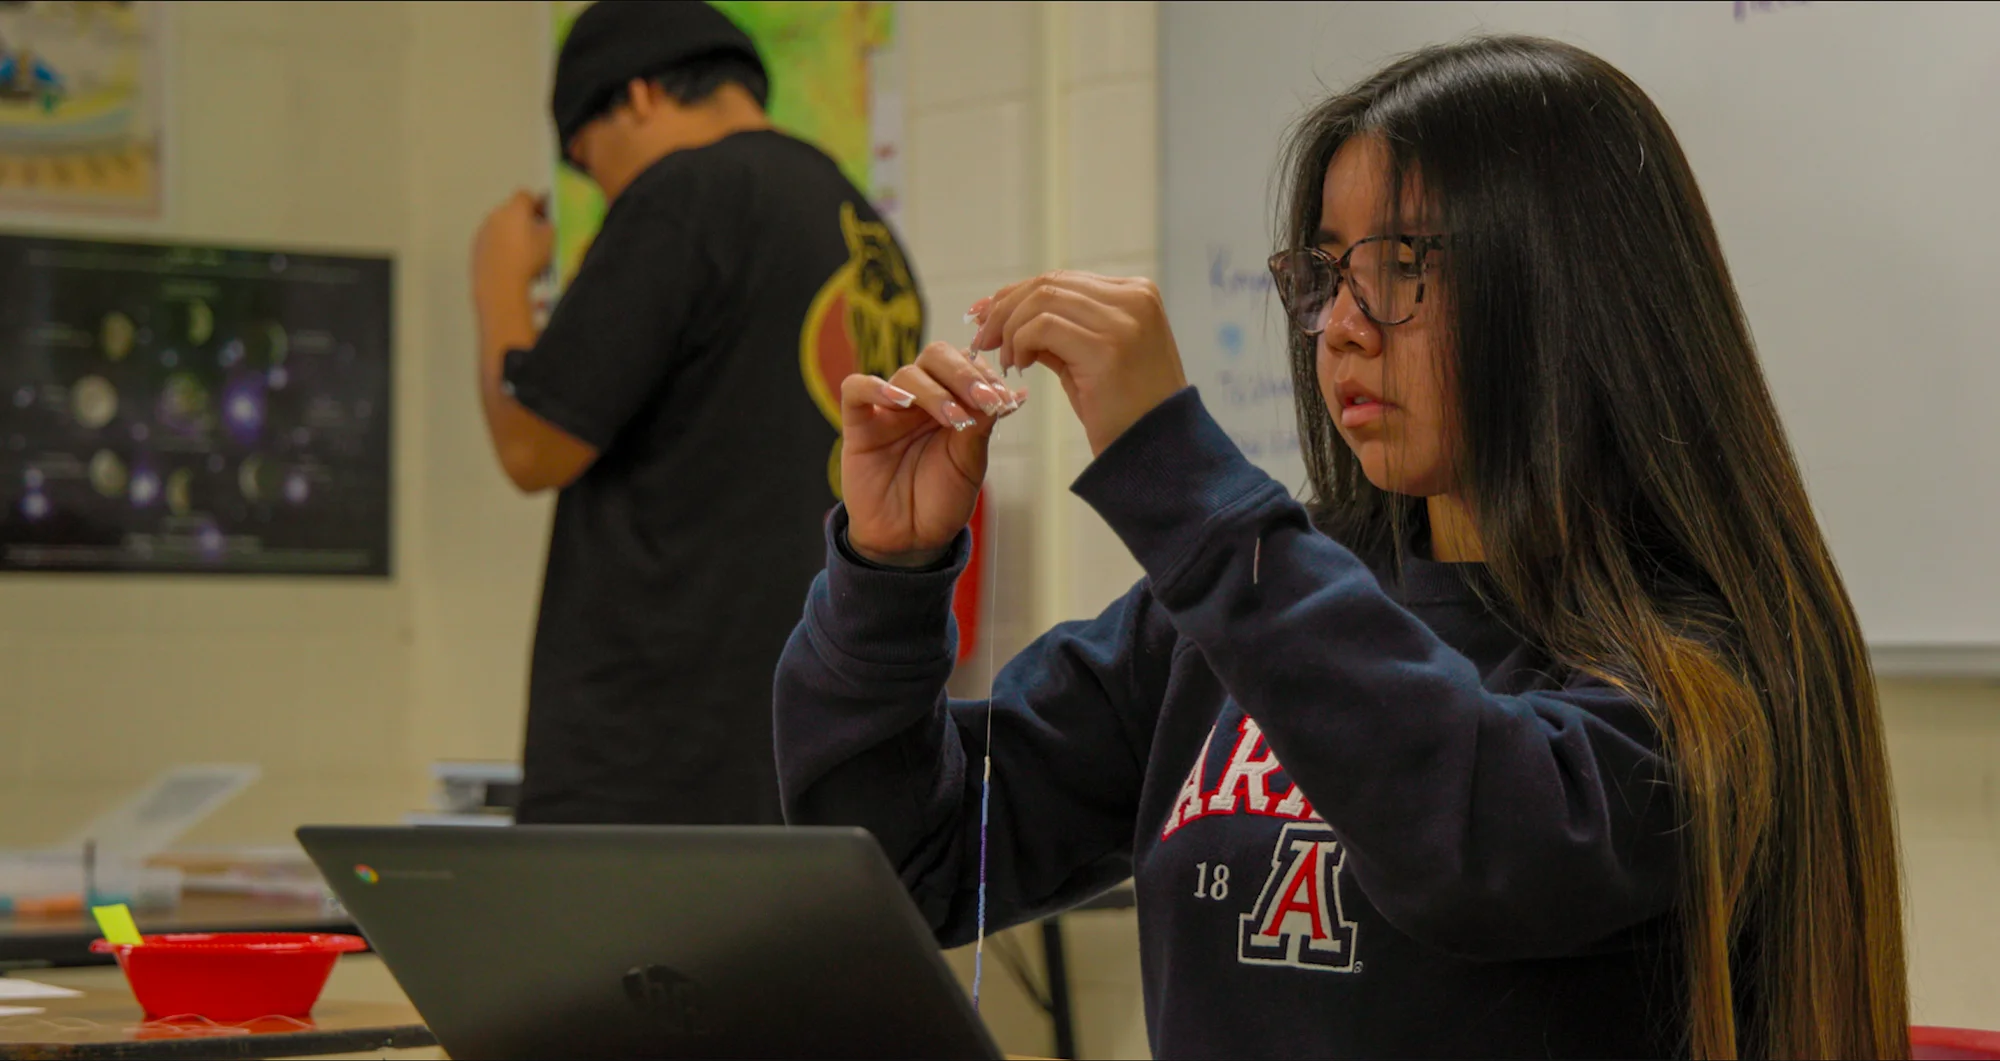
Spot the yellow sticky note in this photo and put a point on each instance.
(117, 925)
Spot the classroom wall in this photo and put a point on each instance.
(1944, 748)
(1032, 143)
(477, 125)
(372, 127)
(283, 126)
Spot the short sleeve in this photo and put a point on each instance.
(622, 326)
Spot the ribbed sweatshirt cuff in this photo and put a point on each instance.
(888, 615)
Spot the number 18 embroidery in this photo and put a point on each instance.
(1298, 919)
(1211, 886)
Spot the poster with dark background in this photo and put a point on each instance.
(189, 409)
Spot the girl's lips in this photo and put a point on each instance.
(1362, 413)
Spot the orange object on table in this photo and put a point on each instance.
(49, 906)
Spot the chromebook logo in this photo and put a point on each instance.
(367, 874)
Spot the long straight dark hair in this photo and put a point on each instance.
(1641, 512)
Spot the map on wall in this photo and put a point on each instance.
(171, 408)
(80, 107)
(832, 75)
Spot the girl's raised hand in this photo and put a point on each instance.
(913, 453)
(1106, 338)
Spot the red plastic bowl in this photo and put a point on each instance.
(1953, 1044)
(230, 976)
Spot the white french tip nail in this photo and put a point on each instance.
(1000, 387)
(989, 395)
(972, 318)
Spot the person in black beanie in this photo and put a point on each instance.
(683, 402)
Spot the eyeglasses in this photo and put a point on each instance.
(1386, 273)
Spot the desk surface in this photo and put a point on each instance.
(106, 1023)
(65, 940)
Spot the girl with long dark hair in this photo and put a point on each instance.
(1544, 728)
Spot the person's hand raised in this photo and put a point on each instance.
(913, 453)
(514, 246)
(1106, 338)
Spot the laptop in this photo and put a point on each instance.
(652, 941)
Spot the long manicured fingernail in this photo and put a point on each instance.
(993, 380)
(956, 416)
(998, 383)
(988, 398)
(903, 399)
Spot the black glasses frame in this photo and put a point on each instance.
(1339, 269)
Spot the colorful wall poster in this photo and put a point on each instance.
(833, 77)
(80, 107)
(171, 408)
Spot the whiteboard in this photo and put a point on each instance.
(1850, 154)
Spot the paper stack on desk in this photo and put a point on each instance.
(12, 990)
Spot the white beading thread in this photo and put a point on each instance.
(987, 601)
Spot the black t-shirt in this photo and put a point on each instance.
(700, 349)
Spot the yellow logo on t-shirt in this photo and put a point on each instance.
(865, 319)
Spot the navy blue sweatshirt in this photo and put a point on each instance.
(1363, 818)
